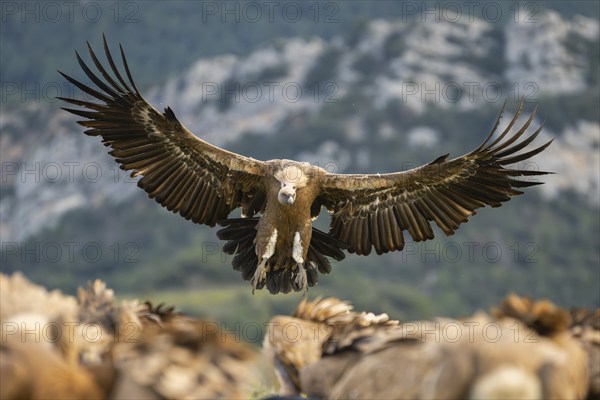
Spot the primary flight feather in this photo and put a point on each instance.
(274, 242)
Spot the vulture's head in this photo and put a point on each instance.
(291, 178)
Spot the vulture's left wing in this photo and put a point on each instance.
(183, 173)
(374, 210)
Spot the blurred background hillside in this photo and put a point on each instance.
(351, 86)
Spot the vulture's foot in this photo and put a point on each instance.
(260, 274)
(302, 280)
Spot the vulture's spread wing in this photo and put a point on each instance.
(374, 210)
(182, 172)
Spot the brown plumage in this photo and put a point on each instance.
(185, 359)
(585, 328)
(299, 345)
(31, 370)
(104, 349)
(54, 303)
(542, 316)
(525, 352)
(280, 249)
(41, 345)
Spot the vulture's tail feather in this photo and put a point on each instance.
(239, 234)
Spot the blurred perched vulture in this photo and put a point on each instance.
(35, 360)
(585, 327)
(185, 359)
(274, 242)
(524, 351)
(55, 346)
(299, 345)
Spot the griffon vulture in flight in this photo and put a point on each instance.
(274, 242)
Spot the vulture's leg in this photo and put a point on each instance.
(261, 270)
(301, 279)
(260, 274)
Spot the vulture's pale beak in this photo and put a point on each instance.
(287, 195)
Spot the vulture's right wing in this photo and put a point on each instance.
(373, 210)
